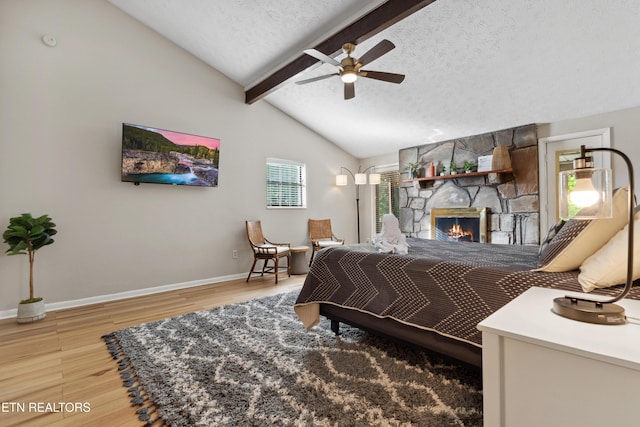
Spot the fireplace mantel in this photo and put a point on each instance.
(424, 181)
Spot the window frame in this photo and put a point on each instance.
(383, 170)
(300, 183)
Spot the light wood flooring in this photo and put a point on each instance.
(64, 359)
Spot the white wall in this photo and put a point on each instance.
(61, 111)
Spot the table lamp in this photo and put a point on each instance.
(589, 190)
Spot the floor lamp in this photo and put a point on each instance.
(591, 191)
(359, 178)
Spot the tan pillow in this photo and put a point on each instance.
(579, 239)
(608, 266)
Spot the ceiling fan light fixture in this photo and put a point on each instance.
(350, 68)
(349, 76)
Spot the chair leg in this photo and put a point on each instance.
(289, 264)
(252, 267)
(267, 269)
(313, 252)
(276, 267)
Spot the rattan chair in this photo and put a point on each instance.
(321, 236)
(267, 251)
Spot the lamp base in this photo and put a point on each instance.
(589, 311)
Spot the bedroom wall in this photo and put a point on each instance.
(61, 111)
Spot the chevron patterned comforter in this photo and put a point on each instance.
(444, 287)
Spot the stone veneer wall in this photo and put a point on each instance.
(512, 199)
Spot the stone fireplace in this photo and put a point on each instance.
(459, 224)
(511, 199)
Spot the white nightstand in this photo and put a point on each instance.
(541, 369)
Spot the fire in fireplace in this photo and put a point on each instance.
(459, 224)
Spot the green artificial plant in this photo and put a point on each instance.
(468, 166)
(25, 235)
(413, 168)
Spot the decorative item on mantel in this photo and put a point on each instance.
(468, 166)
(453, 168)
(431, 171)
(501, 159)
(484, 163)
(413, 169)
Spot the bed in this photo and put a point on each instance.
(432, 297)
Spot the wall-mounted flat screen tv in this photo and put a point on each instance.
(166, 157)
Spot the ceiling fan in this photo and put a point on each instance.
(349, 68)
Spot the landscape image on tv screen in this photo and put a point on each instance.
(167, 157)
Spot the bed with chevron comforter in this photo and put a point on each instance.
(433, 297)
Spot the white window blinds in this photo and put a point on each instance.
(286, 184)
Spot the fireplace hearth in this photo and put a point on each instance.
(459, 224)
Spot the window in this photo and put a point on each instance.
(286, 182)
(387, 196)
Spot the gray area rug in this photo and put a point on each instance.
(253, 364)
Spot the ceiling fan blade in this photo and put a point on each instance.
(315, 79)
(385, 77)
(322, 57)
(376, 52)
(349, 90)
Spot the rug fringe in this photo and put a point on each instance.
(137, 393)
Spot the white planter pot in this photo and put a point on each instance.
(31, 312)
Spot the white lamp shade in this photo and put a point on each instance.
(341, 179)
(374, 178)
(361, 178)
(585, 194)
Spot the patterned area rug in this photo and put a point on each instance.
(253, 364)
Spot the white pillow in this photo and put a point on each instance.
(608, 266)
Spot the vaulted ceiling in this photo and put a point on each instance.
(471, 66)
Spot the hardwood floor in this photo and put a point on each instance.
(64, 359)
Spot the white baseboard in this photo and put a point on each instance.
(6, 314)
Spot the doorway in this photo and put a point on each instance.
(556, 153)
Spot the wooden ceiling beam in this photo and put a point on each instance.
(364, 28)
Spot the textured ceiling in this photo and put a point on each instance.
(471, 66)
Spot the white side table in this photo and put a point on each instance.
(541, 369)
(299, 263)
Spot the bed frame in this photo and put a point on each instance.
(428, 340)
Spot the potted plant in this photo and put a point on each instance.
(443, 170)
(468, 166)
(25, 235)
(413, 168)
(453, 169)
